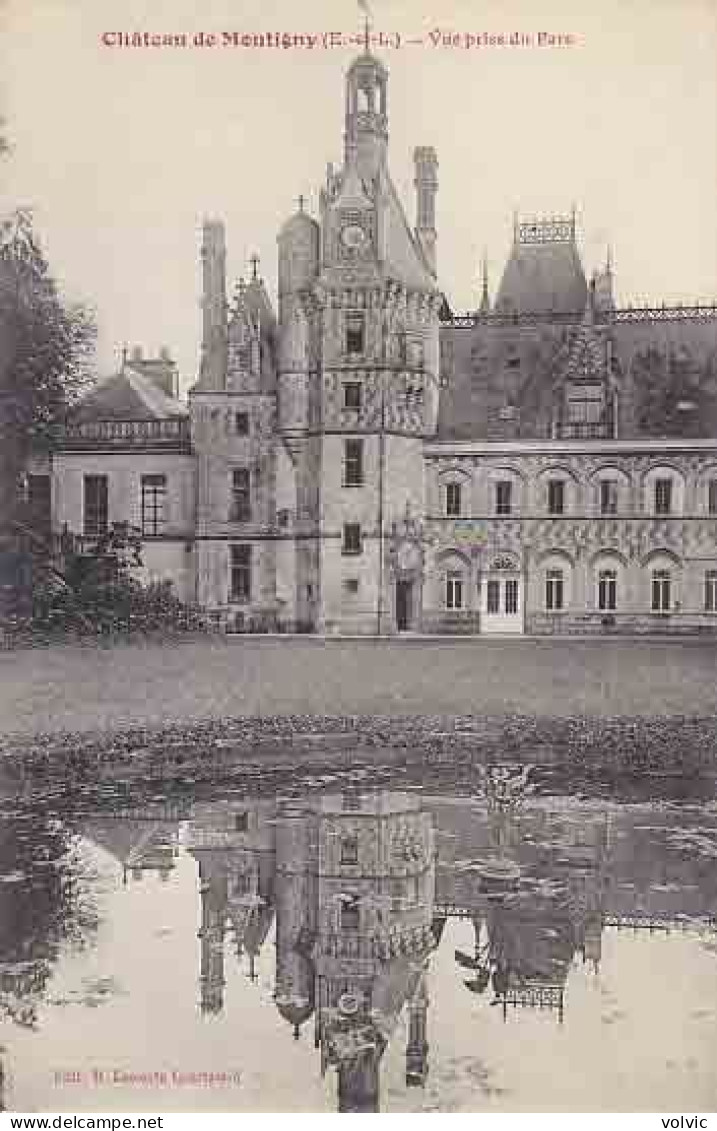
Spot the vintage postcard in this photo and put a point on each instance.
(358, 558)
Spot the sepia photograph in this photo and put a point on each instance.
(358, 558)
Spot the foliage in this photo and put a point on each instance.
(103, 593)
(50, 343)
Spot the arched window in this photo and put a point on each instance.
(661, 591)
(711, 591)
(554, 589)
(607, 590)
(453, 500)
(454, 589)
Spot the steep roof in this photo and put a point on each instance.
(542, 276)
(404, 258)
(129, 395)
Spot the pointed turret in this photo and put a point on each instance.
(213, 367)
(484, 307)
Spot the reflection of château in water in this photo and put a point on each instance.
(350, 880)
(355, 891)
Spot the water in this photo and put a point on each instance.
(498, 947)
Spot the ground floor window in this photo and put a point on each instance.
(492, 596)
(454, 590)
(154, 490)
(554, 590)
(240, 574)
(607, 590)
(511, 596)
(711, 591)
(95, 505)
(661, 591)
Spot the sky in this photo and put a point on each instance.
(120, 151)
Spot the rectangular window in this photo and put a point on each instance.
(453, 500)
(351, 585)
(240, 574)
(663, 496)
(240, 508)
(607, 590)
(154, 491)
(95, 505)
(241, 423)
(608, 496)
(352, 395)
(353, 463)
(352, 538)
(711, 591)
(712, 496)
(349, 850)
(556, 496)
(492, 596)
(585, 405)
(241, 822)
(454, 591)
(661, 585)
(511, 596)
(355, 327)
(554, 590)
(504, 497)
(350, 915)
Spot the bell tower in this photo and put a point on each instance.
(366, 136)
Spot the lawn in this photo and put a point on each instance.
(98, 687)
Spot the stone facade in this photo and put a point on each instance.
(363, 461)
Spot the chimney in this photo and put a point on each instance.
(426, 182)
(213, 368)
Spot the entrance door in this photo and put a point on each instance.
(403, 605)
(502, 606)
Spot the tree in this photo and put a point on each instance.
(45, 348)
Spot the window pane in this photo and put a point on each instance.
(663, 496)
(554, 590)
(511, 596)
(503, 497)
(493, 596)
(354, 333)
(353, 463)
(154, 488)
(556, 496)
(608, 496)
(711, 591)
(95, 505)
(352, 538)
(352, 395)
(453, 499)
(240, 574)
(241, 422)
(712, 496)
(240, 508)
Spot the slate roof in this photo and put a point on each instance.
(129, 395)
(542, 278)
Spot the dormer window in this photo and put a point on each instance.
(585, 409)
(355, 332)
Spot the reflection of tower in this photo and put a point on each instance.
(376, 892)
(213, 888)
(295, 912)
(234, 846)
(417, 1048)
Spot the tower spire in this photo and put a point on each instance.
(484, 298)
(363, 5)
